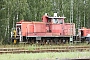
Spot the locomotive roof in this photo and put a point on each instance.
(58, 17)
(69, 23)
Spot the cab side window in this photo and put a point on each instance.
(60, 21)
(55, 21)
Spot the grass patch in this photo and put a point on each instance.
(43, 56)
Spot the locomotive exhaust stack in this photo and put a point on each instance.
(46, 14)
(55, 14)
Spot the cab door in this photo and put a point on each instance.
(18, 29)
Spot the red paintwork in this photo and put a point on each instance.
(69, 30)
(27, 27)
(57, 28)
(39, 27)
(44, 19)
(84, 32)
(46, 28)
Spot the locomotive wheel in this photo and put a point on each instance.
(43, 42)
(51, 42)
(60, 41)
(56, 40)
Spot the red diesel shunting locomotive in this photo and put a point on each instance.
(50, 30)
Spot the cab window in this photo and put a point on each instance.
(60, 21)
(57, 21)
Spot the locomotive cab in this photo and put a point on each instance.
(54, 19)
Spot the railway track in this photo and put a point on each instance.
(45, 49)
